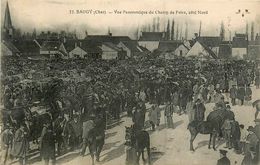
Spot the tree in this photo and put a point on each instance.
(158, 24)
(168, 31)
(246, 30)
(34, 34)
(172, 30)
(222, 31)
(186, 31)
(252, 32)
(177, 32)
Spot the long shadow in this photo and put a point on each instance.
(108, 135)
(202, 143)
(113, 154)
(156, 155)
(219, 143)
(67, 158)
(114, 124)
(107, 146)
(178, 123)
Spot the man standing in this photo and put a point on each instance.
(154, 116)
(223, 158)
(233, 94)
(20, 144)
(241, 94)
(199, 110)
(226, 127)
(47, 144)
(190, 110)
(257, 106)
(7, 138)
(168, 114)
(138, 117)
(257, 132)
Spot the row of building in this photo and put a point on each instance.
(121, 47)
(110, 47)
(203, 46)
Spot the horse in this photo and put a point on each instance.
(138, 139)
(96, 140)
(211, 126)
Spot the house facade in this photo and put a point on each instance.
(239, 46)
(151, 40)
(201, 51)
(111, 52)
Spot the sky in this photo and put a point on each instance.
(55, 15)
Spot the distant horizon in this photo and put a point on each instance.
(53, 15)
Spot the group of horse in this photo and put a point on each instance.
(139, 140)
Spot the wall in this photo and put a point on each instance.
(239, 52)
(150, 45)
(77, 51)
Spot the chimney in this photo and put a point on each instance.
(76, 44)
(196, 35)
(80, 44)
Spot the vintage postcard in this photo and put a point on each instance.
(128, 82)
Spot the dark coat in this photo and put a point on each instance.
(199, 111)
(233, 93)
(20, 143)
(235, 130)
(47, 145)
(241, 93)
(223, 161)
(138, 119)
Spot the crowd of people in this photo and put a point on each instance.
(74, 97)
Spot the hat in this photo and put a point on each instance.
(257, 120)
(250, 128)
(223, 152)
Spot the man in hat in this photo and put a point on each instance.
(233, 94)
(199, 110)
(20, 144)
(257, 106)
(75, 132)
(223, 158)
(7, 138)
(168, 114)
(252, 139)
(226, 127)
(257, 132)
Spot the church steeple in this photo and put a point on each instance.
(8, 27)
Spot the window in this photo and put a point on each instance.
(180, 52)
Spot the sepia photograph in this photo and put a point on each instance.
(130, 82)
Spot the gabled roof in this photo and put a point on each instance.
(51, 45)
(27, 46)
(10, 46)
(210, 41)
(90, 47)
(211, 53)
(107, 38)
(132, 45)
(70, 44)
(144, 49)
(112, 46)
(152, 36)
(166, 46)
